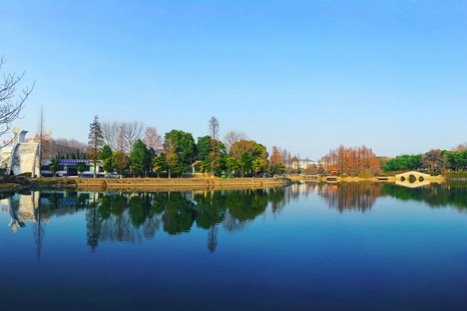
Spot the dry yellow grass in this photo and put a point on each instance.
(166, 184)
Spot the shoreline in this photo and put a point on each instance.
(10, 184)
(140, 184)
(391, 179)
(179, 184)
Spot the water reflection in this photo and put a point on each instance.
(362, 197)
(409, 183)
(133, 217)
(130, 218)
(435, 195)
(23, 209)
(350, 196)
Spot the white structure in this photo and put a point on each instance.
(304, 164)
(20, 156)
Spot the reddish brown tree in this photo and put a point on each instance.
(352, 161)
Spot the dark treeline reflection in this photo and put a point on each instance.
(362, 196)
(435, 195)
(350, 196)
(133, 217)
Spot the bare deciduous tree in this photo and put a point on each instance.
(232, 137)
(71, 144)
(286, 157)
(152, 139)
(11, 103)
(121, 135)
(460, 147)
(213, 128)
(131, 131)
(110, 132)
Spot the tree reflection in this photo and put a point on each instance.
(211, 208)
(93, 222)
(211, 212)
(132, 217)
(179, 214)
(127, 217)
(246, 205)
(350, 196)
(434, 195)
(140, 208)
(277, 199)
(39, 228)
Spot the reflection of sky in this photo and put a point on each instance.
(398, 254)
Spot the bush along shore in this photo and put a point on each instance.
(16, 183)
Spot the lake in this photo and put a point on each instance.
(304, 247)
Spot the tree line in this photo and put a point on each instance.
(130, 148)
(435, 160)
(355, 161)
(122, 148)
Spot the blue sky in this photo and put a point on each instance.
(304, 75)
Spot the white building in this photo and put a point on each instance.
(303, 164)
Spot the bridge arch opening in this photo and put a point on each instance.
(412, 178)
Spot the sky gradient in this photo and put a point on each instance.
(303, 75)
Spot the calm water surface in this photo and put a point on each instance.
(308, 247)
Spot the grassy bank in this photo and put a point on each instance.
(178, 184)
(456, 176)
(345, 178)
(11, 183)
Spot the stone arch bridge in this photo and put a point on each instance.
(413, 179)
(417, 175)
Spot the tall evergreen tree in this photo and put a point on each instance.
(138, 157)
(179, 150)
(80, 167)
(95, 142)
(106, 152)
(107, 158)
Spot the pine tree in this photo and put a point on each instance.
(96, 140)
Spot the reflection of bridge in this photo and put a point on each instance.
(413, 179)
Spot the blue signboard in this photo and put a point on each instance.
(69, 161)
(72, 202)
